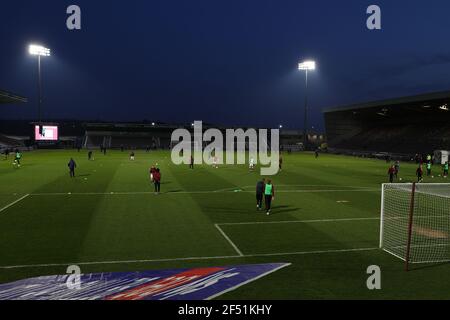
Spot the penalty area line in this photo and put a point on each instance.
(228, 239)
(13, 203)
(191, 258)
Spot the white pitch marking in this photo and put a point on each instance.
(191, 258)
(310, 252)
(297, 221)
(193, 192)
(13, 203)
(248, 281)
(229, 240)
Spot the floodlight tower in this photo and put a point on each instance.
(306, 66)
(39, 51)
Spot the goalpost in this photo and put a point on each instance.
(415, 222)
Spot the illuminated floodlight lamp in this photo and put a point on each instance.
(307, 65)
(37, 50)
(444, 107)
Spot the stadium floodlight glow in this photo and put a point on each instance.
(307, 65)
(37, 50)
(281, 126)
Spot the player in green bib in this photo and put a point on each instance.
(17, 158)
(269, 195)
(429, 169)
(446, 169)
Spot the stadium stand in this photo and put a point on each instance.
(129, 136)
(403, 126)
(5, 140)
(292, 140)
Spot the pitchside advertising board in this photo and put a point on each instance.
(180, 284)
(46, 133)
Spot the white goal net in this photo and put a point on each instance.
(415, 222)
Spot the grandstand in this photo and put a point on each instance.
(5, 140)
(129, 136)
(407, 126)
(292, 140)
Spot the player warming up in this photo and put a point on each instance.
(72, 165)
(252, 164)
(6, 152)
(269, 195)
(17, 158)
(260, 185)
(391, 173)
(428, 168)
(397, 168)
(419, 173)
(445, 167)
(152, 173)
(157, 181)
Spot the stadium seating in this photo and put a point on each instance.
(402, 139)
(10, 142)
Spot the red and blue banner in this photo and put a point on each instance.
(181, 284)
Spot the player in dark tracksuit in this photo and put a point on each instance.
(72, 165)
(260, 193)
(419, 173)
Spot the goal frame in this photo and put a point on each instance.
(410, 223)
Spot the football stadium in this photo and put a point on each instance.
(324, 227)
(96, 208)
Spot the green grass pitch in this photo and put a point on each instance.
(325, 222)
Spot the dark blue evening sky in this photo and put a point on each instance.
(220, 61)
